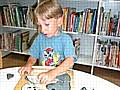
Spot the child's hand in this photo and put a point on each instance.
(47, 77)
(25, 69)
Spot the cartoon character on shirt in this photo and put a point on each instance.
(50, 57)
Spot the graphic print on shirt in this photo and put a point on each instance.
(50, 57)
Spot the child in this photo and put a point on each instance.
(51, 47)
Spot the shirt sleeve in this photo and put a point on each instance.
(69, 50)
(34, 50)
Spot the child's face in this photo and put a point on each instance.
(49, 26)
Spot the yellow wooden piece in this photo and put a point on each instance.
(21, 83)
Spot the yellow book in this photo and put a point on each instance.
(65, 13)
(81, 22)
(87, 28)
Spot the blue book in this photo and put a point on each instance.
(94, 21)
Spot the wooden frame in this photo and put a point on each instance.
(1, 59)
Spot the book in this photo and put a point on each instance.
(72, 17)
(80, 22)
(76, 43)
(88, 22)
(67, 11)
(94, 22)
(24, 40)
(76, 22)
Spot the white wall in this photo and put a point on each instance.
(114, 6)
(80, 4)
(22, 2)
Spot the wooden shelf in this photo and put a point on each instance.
(108, 37)
(15, 60)
(110, 68)
(5, 53)
(14, 27)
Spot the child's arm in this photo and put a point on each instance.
(51, 75)
(28, 66)
(64, 66)
(31, 61)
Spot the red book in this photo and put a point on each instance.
(72, 21)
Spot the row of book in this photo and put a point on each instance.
(22, 16)
(108, 53)
(14, 40)
(73, 21)
(16, 15)
(109, 23)
(84, 21)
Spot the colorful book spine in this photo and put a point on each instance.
(65, 13)
(81, 23)
(94, 21)
(72, 21)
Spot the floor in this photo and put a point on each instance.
(13, 60)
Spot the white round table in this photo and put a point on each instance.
(81, 80)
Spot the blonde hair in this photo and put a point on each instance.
(47, 9)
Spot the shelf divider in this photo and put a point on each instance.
(96, 37)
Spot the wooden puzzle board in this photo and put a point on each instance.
(36, 71)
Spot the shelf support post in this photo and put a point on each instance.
(1, 62)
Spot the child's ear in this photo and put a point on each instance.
(60, 21)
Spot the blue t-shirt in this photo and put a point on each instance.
(51, 51)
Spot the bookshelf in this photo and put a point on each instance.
(88, 53)
(108, 40)
(12, 10)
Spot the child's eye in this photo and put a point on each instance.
(46, 24)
